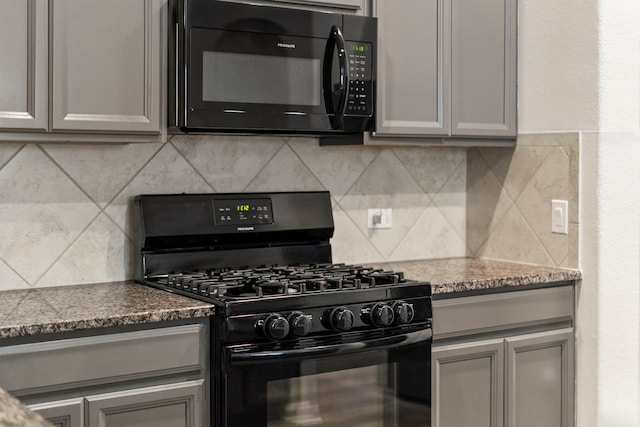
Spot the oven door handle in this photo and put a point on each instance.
(394, 341)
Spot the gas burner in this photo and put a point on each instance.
(279, 280)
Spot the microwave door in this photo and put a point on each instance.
(336, 90)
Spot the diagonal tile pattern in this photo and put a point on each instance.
(337, 168)
(42, 212)
(103, 170)
(509, 195)
(167, 172)
(285, 172)
(228, 163)
(386, 183)
(66, 210)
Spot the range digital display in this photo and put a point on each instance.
(243, 212)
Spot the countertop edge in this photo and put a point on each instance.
(104, 322)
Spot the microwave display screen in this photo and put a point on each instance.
(260, 79)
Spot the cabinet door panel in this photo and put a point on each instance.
(413, 82)
(106, 65)
(483, 64)
(467, 384)
(171, 405)
(62, 413)
(23, 49)
(539, 390)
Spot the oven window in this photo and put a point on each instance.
(260, 79)
(312, 400)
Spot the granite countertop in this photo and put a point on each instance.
(69, 308)
(49, 310)
(456, 275)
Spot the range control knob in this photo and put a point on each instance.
(381, 315)
(403, 311)
(299, 324)
(341, 319)
(274, 326)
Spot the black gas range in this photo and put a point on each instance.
(264, 260)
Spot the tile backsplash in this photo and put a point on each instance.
(509, 193)
(66, 209)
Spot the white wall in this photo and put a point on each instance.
(580, 71)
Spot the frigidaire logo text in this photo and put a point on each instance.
(287, 45)
(246, 228)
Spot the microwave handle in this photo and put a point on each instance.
(394, 341)
(336, 41)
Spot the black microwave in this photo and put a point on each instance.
(240, 67)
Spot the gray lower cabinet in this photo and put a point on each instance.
(446, 69)
(468, 384)
(155, 377)
(23, 86)
(169, 405)
(62, 413)
(504, 360)
(82, 67)
(540, 379)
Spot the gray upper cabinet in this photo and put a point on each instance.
(106, 65)
(446, 68)
(483, 68)
(82, 67)
(413, 76)
(24, 67)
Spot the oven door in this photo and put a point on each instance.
(378, 382)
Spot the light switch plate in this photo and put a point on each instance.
(560, 216)
(379, 218)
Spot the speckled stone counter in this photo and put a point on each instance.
(464, 275)
(70, 308)
(15, 414)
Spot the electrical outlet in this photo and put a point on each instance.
(379, 218)
(560, 216)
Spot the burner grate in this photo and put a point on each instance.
(278, 280)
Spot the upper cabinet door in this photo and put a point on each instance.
(23, 68)
(413, 72)
(483, 64)
(107, 65)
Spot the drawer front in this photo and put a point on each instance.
(63, 364)
(496, 312)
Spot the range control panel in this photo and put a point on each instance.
(360, 84)
(243, 212)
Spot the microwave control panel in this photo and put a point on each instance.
(360, 85)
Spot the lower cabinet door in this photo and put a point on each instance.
(467, 384)
(540, 379)
(169, 405)
(62, 413)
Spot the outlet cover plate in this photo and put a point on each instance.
(379, 218)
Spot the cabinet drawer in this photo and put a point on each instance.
(88, 361)
(488, 313)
